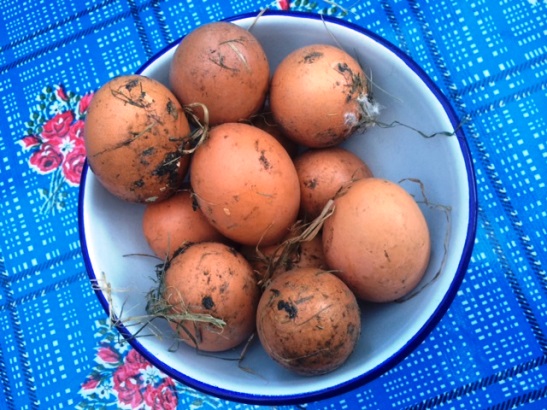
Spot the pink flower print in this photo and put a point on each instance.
(73, 164)
(30, 141)
(47, 159)
(58, 126)
(54, 140)
(90, 384)
(60, 92)
(77, 129)
(84, 103)
(284, 4)
(108, 355)
(127, 384)
(73, 149)
(162, 397)
(135, 361)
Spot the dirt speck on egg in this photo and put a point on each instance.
(222, 66)
(133, 134)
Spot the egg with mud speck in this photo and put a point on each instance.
(134, 138)
(319, 96)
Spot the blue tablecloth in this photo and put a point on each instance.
(56, 348)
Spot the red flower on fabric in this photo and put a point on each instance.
(73, 165)
(61, 94)
(127, 384)
(58, 126)
(108, 355)
(84, 103)
(46, 159)
(135, 361)
(30, 141)
(284, 4)
(56, 143)
(162, 397)
(77, 130)
(74, 154)
(90, 384)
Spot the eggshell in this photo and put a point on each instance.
(308, 321)
(270, 261)
(246, 184)
(213, 279)
(266, 122)
(322, 173)
(317, 95)
(377, 240)
(224, 67)
(133, 138)
(169, 224)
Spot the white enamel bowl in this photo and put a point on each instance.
(110, 229)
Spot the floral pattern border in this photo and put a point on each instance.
(54, 142)
(123, 379)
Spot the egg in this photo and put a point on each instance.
(319, 96)
(308, 321)
(133, 135)
(377, 240)
(266, 122)
(170, 224)
(245, 184)
(270, 261)
(222, 66)
(322, 173)
(210, 296)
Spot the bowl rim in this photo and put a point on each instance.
(420, 335)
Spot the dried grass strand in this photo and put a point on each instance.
(447, 211)
(201, 131)
(284, 250)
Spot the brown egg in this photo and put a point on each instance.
(318, 94)
(308, 321)
(322, 173)
(377, 240)
(246, 184)
(211, 279)
(270, 261)
(133, 133)
(224, 67)
(266, 122)
(169, 224)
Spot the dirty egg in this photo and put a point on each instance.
(133, 134)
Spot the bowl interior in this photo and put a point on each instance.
(114, 246)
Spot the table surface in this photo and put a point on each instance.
(57, 350)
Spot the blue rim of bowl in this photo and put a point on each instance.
(412, 343)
